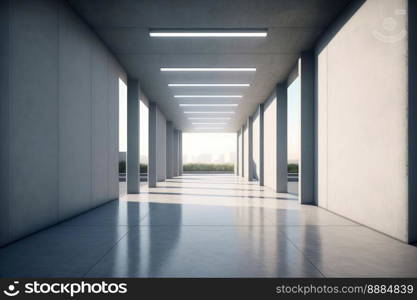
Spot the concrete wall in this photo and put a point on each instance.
(270, 142)
(240, 152)
(256, 126)
(59, 117)
(169, 146)
(246, 151)
(361, 106)
(161, 146)
(175, 153)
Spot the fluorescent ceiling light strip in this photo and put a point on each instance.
(208, 118)
(209, 84)
(209, 112)
(193, 33)
(209, 123)
(203, 128)
(209, 105)
(207, 96)
(208, 69)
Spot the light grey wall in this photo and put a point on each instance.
(175, 153)
(169, 145)
(161, 146)
(270, 142)
(59, 149)
(246, 151)
(153, 142)
(240, 151)
(412, 120)
(133, 136)
(362, 118)
(256, 125)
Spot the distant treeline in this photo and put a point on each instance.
(292, 168)
(209, 167)
(122, 167)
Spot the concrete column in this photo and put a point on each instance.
(180, 153)
(175, 153)
(282, 156)
(169, 149)
(237, 154)
(261, 144)
(242, 173)
(307, 153)
(152, 168)
(133, 148)
(412, 121)
(250, 161)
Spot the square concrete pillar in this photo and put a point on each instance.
(261, 144)
(282, 151)
(307, 151)
(175, 153)
(180, 167)
(250, 162)
(242, 147)
(152, 159)
(237, 155)
(133, 148)
(169, 147)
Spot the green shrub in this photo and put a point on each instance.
(122, 167)
(209, 167)
(292, 168)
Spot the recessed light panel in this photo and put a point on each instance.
(207, 96)
(209, 105)
(208, 69)
(208, 33)
(209, 112)
(209, 84)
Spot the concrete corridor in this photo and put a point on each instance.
(208, 226)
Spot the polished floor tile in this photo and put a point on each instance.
(188, 251)
(113, 213)
(354, 251)
(208, 226)
(61, 251)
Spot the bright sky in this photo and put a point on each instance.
(122, 116)
(294, 98)
(209, 147)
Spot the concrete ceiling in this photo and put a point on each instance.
(293, 26)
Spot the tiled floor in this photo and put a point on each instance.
(208, 226)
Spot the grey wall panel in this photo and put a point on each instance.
(362, 163)
(99, 115)
(246, 151)
(175, 153)
(74, 116)
(115, 73)
(240, 145)
(412, 121)
(133, 136)
(33, 116)
(161, 146)
(59, 130)
(4, 121)
(153, 142)
(169, 144)
(256, 144)
(270, 142)
(282, 138)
